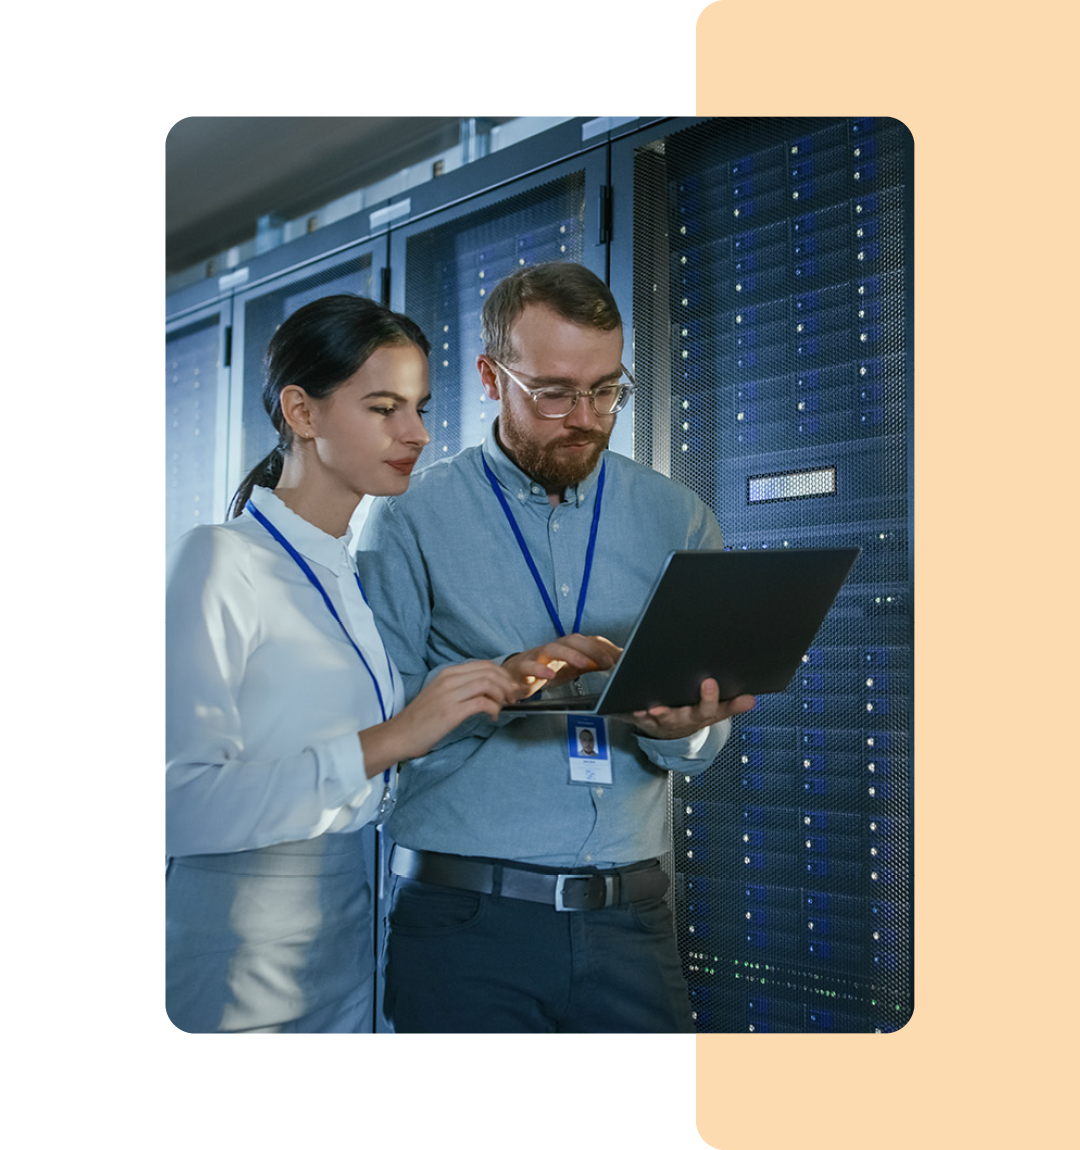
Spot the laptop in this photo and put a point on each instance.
(744, 618)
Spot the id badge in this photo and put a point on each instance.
(588, 749)
(389, 797)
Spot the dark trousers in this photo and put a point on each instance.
(461, 962)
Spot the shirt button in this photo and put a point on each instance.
(588, 858)
(521, 496)
(555, 526)
(599, 790)
(565, 589)
(536, 491)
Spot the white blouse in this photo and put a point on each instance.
(265, 695)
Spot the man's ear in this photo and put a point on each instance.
(298, 410)
(489, 380)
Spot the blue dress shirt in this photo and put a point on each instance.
(447, 582)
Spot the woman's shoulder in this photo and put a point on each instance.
(215, 586)
(210, 537)
(214, 549)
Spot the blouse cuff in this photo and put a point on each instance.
(345, 759)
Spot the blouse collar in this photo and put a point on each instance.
(311, 541)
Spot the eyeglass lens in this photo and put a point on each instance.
(605, 400)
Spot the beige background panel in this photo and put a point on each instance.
(989, 1055)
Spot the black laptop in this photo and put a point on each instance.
(743, 618)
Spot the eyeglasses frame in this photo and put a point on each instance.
(534, 393)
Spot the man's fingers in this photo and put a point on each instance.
(674, 722)
(585, 652)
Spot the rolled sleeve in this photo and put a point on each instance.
(691, 755)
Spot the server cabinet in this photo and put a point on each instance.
(769, 263)
(196, 418)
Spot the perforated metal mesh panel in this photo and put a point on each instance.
(191, 433)
(263, 315)
(450, 268)
(771, 309)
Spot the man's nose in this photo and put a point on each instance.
(583, 416)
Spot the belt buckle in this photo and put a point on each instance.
(560, 882)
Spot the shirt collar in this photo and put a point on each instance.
(514, 480)
(312, 542)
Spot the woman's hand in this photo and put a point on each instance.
(454, 695)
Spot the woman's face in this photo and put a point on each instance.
(369, 432)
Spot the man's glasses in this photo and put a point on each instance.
(558, 402)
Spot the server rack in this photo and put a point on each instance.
(768, 264)
(196, 417)
(770, 272)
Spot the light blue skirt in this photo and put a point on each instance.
(272, 940)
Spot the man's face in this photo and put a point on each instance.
(550, 351)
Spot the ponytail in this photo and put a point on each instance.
(265, 473)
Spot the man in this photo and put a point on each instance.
(528, 895)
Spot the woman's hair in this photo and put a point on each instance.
(318, 348)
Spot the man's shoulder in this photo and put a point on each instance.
(456, 468)
(433, 484)
(644, 482)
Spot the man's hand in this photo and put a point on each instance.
(561, 661)
(678, 722)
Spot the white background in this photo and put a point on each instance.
(91, 96)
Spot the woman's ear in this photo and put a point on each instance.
(489, 380)
(298, 411)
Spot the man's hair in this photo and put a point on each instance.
(570, 290)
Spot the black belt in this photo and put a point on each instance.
(569, 891)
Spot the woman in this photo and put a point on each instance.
(285, 716)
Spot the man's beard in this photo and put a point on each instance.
(543, 463)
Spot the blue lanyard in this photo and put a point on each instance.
(314, 579)
(528, 554)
